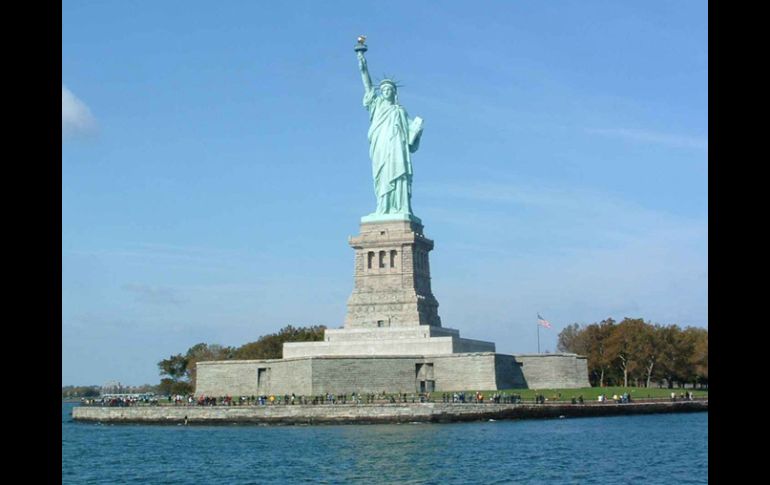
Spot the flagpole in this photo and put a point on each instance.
(538, 337)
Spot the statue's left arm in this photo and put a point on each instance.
(415, 133)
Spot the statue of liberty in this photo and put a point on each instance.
(393, 137)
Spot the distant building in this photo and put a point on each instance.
(112, 387)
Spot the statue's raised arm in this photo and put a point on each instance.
(364, 72)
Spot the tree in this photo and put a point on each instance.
(635, 349)
(595, 342)
(649, 351)
(181, 369)
(79, 391)
(182, 388)
(204, 352)
(624, 345)
(271, 346)
(691, 339)
(572, 339)
(175, 366)
(676, 351)
(165, 387)
(700, 356)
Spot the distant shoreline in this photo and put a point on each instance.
(369, 413)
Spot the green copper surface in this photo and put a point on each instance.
(393, 137)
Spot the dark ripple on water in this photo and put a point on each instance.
(651, 449)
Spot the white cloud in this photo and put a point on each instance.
(76, 118)
(681, 141)
(153, 295)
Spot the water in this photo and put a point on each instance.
(664, 448)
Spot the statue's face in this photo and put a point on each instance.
(388, 92)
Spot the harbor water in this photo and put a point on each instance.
(659, 448)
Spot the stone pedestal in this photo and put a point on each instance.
(391, 311)
(392, 277)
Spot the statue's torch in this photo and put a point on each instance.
(360, 46)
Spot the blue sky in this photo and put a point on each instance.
(214, 162)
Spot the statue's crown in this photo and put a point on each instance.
(391, 81)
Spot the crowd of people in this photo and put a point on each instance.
(620, 399)
(119, 401)
(353, 398)
(683, 396)
(478, 397)
(328, 398)
(291, 399)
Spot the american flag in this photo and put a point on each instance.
(543, 322)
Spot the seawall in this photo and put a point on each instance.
(369, 413)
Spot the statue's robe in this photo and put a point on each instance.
(392, 139)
